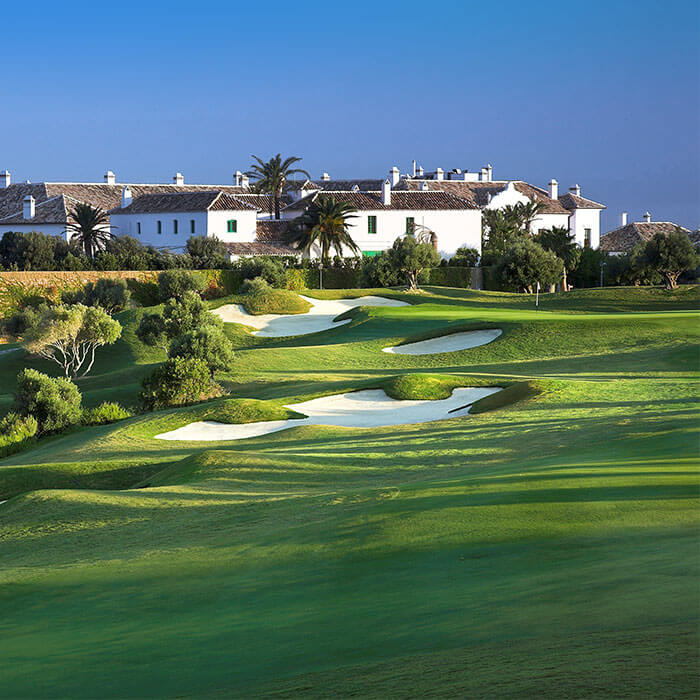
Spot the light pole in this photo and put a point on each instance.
(602, 264)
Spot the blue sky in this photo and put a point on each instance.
(605, 94)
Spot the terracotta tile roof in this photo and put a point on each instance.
(574, 201)
(269, 230)
(261, 248)
(97, 194)
(400, 200)
(263, 201)
(364, 185)
(481, 192)
(184, 202)
(624, 238)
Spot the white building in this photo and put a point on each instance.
(447, 204)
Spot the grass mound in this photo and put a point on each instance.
(421, 387)
(275, 301)
(245, 411)
(509, 395)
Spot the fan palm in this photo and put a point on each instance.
(324, 224)
(89, 227)
(271, 177)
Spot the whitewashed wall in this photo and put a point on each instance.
(49, 229)
(127, 225)
(217, 222)
(583, 219)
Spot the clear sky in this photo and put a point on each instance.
(605, 94)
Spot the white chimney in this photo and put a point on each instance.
(553, 189)
(413, 168)
(28, 207)
(386, 193)
(237, 177)
(575, 190)
(424, 186)
(127, 197)
(489, 167)
(325, 177)
(178, 179)
(484, 174)
(5, 179)
(623, 219)
(395, 175)
(439, 174)
(647, 218)
(245, 181)
(420, 171)
(110, 178)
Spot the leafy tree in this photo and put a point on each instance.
(409, 257)
(563, 244)
(28, 251)
(123, 253)
(111, 294)
(152, 331)
(24, 319)
(16, 432)
(208, 343)
(179, 380)
(272, 270)
(174, 284)
(525, 263)
(670, 255)
(499, 231)
(70, 335)
(207, 252)
(54, 402)
(89, 226)
(586, 273)
(378, 271)
(325, 224)
(271, 177)
(464, 257)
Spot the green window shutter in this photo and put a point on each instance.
(371, 253)
(410, 224)
(160, 227)
(371, 224)
(191, 225)
(138, 227)
(232, 226)
(174, 225)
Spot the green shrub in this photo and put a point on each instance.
(420, 387)
(178, 381)
(271, 269)
(206, 252)
(207, 343)
(172, 284)
(257, 285)
(451, 276)
(464, 257)
(111, 294)
(106, 412)
(54, 402)
(16, 432)
(260, 298)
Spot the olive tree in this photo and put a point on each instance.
(409, 257)
(526, 263)
(670, 255)
(70, 336)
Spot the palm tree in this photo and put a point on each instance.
(89, 227)
(271, 177)
(563, 244)
(325, 224)
(521, 215)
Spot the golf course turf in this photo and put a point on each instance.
(544, 545)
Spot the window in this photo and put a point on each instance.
(138, 227)
(371, 253)
(587, 238)
(371, 224)
(159, 226)
(410, 224)
(174, 225)
(231, 226)
(191, 225)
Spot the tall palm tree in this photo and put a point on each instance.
(563, 244)
(271, 177)
(89, 227)
(324, 224)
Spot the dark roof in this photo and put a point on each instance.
(50, 211)
(574, 201)
(481, 192)
(184, 202)
(624, 238)
(263, 201)
(97, 194)
(364, 185)
(261, 248)
(269, 230)
(695, 237)
(400, 200)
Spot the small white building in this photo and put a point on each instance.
(168, 220)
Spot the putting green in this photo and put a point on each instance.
(546, 544)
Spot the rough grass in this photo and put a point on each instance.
(275, 301)
(545, 547)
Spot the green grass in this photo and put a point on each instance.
(274, 301)
(545, 545)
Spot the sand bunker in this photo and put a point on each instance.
(318, 318)
(446, 343)
(371, 408)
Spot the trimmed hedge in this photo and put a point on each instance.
(453, 276)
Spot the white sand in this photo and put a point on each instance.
(371, 408)
(318, 318)
(446, 343)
